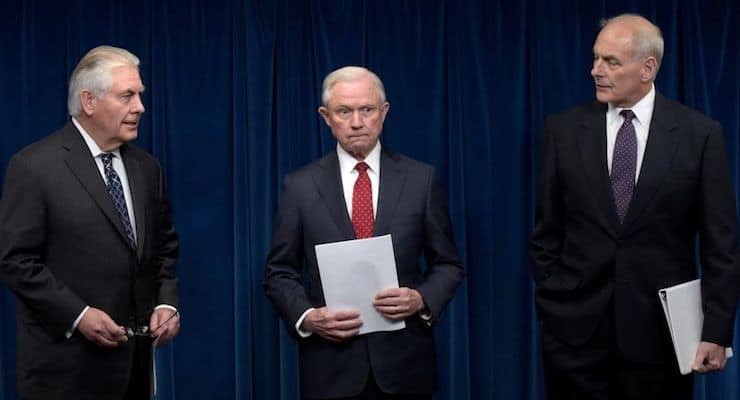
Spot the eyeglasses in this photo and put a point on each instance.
(144, 329)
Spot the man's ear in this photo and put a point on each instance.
(649, 69)
(324, 113)
(88, 101)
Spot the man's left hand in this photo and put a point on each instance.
(398, 303)
(164, 325)
(709, 357)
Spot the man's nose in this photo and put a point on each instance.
(356, 119)
(138, 106)
(596, 69)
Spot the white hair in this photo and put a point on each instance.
(647, 38)
(349, 74)
(93, 73)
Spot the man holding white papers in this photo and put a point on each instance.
(357, 191)
(628, 182)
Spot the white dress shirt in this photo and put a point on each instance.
(349, 175)
(643, 110)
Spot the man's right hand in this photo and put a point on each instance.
(337, 325)
(100, 329)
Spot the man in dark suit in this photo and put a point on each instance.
(361, 190)
(87, 246)
(627, 183)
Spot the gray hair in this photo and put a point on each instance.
(349, 74)
(647, 38)
(93, 73)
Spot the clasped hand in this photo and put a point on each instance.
(98, 327)
(341, 325)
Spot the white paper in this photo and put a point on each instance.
(353, 272)
(682, 307)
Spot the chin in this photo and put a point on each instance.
(602, 98)
(129, 136)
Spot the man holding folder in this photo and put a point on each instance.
(358, 191)
(628, 183)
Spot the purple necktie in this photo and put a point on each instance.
(624, 162)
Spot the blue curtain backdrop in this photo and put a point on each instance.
(233, 88)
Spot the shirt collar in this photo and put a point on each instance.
(91, 145)
(347, 162)
(643, 109)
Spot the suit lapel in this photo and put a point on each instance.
(78, 159)
(138, 196)
(592, 145)
(329, 184)
(659, 151)
(392, 178)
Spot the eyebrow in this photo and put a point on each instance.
(128, 91)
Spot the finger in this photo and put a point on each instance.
(393, 308)
(343, 335)
(389, 292)
(167, 333)
(387, 301)
(347, 314)
(113, 332)
(346, 324)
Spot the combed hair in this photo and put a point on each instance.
(349, 74)
(647, 40)
(93, 73)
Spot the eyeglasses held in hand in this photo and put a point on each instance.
(144, 330)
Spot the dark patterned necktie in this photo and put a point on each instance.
(115, 189)
(624, 164)
(362, 204)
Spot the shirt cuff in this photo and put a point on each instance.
(77, 322)
(167, 306)
(301, 332)
(426, 316)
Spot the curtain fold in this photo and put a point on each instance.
(233, 88)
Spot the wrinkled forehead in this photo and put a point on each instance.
(126, 77)
(361, 90)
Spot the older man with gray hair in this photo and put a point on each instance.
(360, 190)
(628, 183)
(87, 245)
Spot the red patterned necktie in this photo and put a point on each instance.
(362, 204)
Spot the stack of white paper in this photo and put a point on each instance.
(353, 272)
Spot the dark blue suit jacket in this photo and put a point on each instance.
(412, 208)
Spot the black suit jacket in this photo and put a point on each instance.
(412, 208)
(585, 261)
(62, 247)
